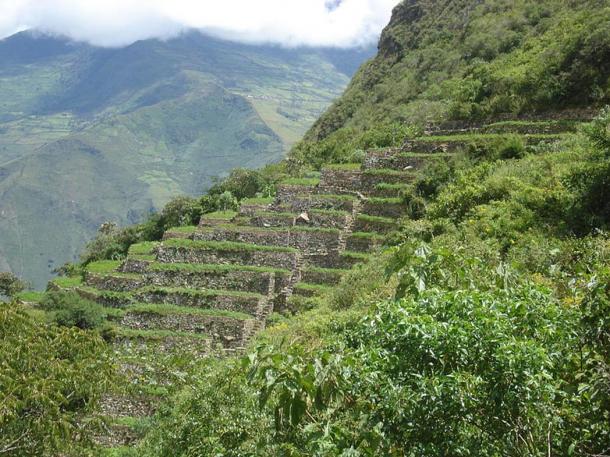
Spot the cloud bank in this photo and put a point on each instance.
(112, 23)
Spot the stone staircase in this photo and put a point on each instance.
(211, 288)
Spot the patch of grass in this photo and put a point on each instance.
(103, 266)
(327, 270)
(67, 282)
(355, 255)
(223, 246)
(301, 182)
(243, 228)
(191, 267)
(30, 296)
(142, 249)
(221, 215)
(185, 229)
(387, 172)
(257, 201)
(379, 219)
(390, 186)
(168, 310)
(343, 166)
(319, 288)
(385, 201)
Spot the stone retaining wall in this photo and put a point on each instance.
(224, 330)
(242, 304)
(383, 209)
(273, 259)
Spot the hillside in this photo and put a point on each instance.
(433, 287)
(472, 60)
(89, 135)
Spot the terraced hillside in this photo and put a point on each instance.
(209, 289)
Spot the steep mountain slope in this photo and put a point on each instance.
(89, 134)
(461, 59)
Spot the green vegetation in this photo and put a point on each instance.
(223, 246)
(198, 267)
(484, 332)
(10, 285)
(170, 310)
(67, 371)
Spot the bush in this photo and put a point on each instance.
(71, 310)
(10, 285)
(51, 378)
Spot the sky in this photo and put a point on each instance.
(113, 23)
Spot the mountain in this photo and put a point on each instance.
(462, 59)
(91, 134)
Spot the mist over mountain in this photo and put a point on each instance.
(91, 134)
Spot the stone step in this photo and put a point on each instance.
(324, 276)
(309, 218)
(225, 253)
(364, 242)
(217, 218)
(344, 260)
(310, 290)
(454, 143)
(200, 276)
(366, 223)
(308, 239)
(223, 329)
(384, 207)
(299, 203)
(249, 206)
(396, 159)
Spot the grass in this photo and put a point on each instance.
(103, 266)
(184, 229)
(67, 282)
(221, 215)
(30, 296)
(320, 288)
(391, 186)
(296, 228)
(223, 246)
(355, 255)
(301, 182)
(143, 249)
(387, 172)
(484, 136)
(376, 219)
(385, 201)
(201, 268)
(343, 166)
(258, 201)
(326, 270)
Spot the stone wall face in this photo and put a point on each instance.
(250, 281)
(321, 277)
(114, 282)
(273, 259)
(362, 244)
(299, 204)
(392, 159)
(341, 180)
(289, 190)
(368, 225)
(392, 210)
(242, 304)
(224, 330)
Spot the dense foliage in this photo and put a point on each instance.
(470, 60)
(49, 378)
(489, 336)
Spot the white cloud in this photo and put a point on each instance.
(120, 22)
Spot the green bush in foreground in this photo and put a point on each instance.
(50, 377)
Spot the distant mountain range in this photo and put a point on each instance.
(90, 134)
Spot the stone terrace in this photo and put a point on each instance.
(212, 287)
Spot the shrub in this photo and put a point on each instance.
(71, 310)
